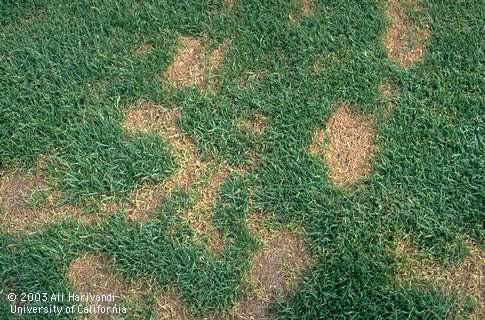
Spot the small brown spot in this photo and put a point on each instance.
(349, 148)
(229, 3)
(388, 95)
(193, 65)
(255, 123)
(275, 269)
(305, 8)
(468, 278)
(249, 76)
(404, 40)
(144, 47)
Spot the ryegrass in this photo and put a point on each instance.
(70, 71)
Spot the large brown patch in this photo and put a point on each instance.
(275, 269)
(93, 274)
(405, 41)
(193, 64)
(468, 278)
(350, 144)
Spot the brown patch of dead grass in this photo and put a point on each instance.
(468, 278)
(405, 41)
(192, 173)
(93, 274)
(275, 270)
(200, 215)
(193, 64)
(255, 123)
(388, 94)
(16, 212)
(230, 3)
(349, 148)
(149, 117)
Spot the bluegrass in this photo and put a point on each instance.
(69, 70)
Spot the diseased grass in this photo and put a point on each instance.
(159, 163)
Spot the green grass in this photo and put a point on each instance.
(68, 70)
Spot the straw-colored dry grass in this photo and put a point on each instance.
(405, 41)
(349, 145)
(193, 65)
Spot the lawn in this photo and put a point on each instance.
(242, 159)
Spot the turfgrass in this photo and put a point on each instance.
(69, 72)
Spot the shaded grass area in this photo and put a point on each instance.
(68, 73)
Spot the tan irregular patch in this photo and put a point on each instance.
(468, 278)
(94, 274)
(229, 3)
(350, 145)
(193, 64)
(305, 8)
(405, 42)
(201, 214)
(275, 270)
(204, 177)
(150, 117)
